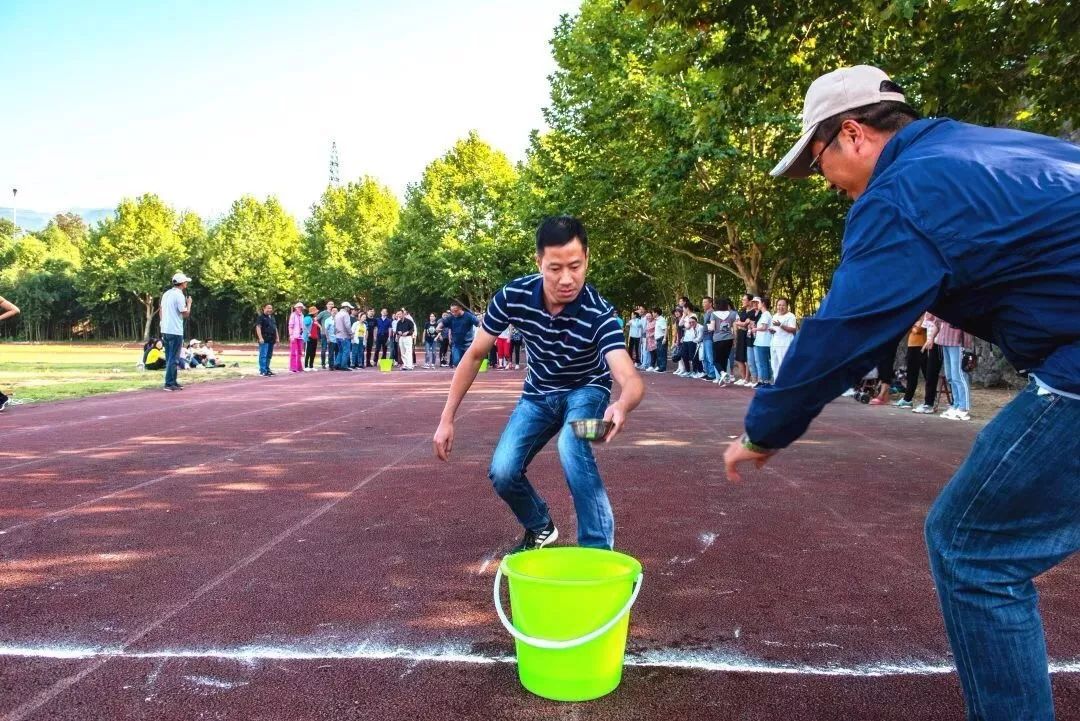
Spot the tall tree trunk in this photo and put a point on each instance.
(148, 303)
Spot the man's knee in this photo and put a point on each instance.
(503, 475)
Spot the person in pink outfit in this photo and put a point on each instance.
(296, 339)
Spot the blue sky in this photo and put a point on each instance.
(201, 102)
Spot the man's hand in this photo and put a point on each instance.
(444, 440)
(617, 416)
(737, 453)
(928, 345)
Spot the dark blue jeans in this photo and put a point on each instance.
(358, 355)
(344, 346)
(172, 345)
(532, 424)
(322, 352)
(266, 352)
(661, 356)
(455, 355)
(1011, 512)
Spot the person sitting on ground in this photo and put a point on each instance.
(155, 357)
(886, 368)
(147, 346)
(210, 354)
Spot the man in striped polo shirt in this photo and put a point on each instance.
(575, 346)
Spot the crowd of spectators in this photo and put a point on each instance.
(745, 345)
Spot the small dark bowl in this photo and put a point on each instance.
(591, 429)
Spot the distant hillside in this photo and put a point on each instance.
(36, 220)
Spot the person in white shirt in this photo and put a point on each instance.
(763, 336)
(660, 364)
(784, 324)
(691, 343)
(635, 332)
(175, 306)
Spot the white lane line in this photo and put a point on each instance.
(43, 697)
(177, 472)
(710, 661)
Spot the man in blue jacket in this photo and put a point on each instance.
(982, 227)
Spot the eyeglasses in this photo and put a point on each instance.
(815, 164)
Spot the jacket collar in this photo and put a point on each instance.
(905, 138)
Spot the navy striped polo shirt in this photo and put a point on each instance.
(566, 351)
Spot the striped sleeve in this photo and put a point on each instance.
(609, 336)
(496, 319)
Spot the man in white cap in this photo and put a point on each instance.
(982, 227)
(175, 306)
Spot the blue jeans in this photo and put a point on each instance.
(646, 356)
(322, 352)
(1010, 513)
(431, 355)
(358, 355)
(331, 353)
(707, 356)
(532, 424)
(344, 351)
(958, 381)
(266, 352)
(455, 355)
(172, 343)
(764, 363)
(751, 361)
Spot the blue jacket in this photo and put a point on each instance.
(979, 225)
(383, 325)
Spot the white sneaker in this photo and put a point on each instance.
(923, 409)
(517, 367)
(850, 392)
(948, 413)
(961, 416)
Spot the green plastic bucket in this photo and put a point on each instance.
(483, 366)
(571, 611)
(386, 365)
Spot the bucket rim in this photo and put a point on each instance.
(633, 568)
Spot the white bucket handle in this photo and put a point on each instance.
(571, 643)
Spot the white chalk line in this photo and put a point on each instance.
(709, 661)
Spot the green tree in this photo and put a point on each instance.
(251, 254)
(460, 234)
(134, 254)
(344, 246)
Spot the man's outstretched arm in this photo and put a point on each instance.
(467, 368)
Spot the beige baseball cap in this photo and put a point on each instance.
(829, 95)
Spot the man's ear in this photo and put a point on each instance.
(539, 260)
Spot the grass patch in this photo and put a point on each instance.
(41, 372)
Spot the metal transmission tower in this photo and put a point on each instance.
(335, 177)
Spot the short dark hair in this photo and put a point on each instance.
(748, 296)
(558, 231)
(456, 304)
(887, 116)
(724, 304)
(658, 310)
(706, 298)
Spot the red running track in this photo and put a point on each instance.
(288, 548)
